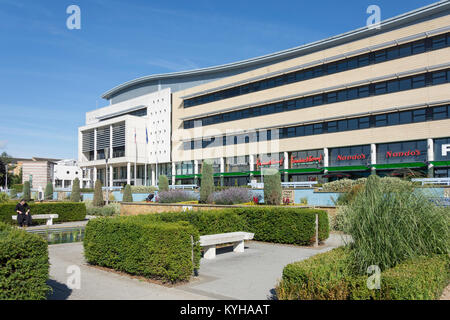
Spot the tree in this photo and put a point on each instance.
(207, 183)
(48, 193)
(272, 187)
(98, 194)
(75, 195)
(26, 191)
(127, 195)
(163, 183)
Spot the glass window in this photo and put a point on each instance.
(418, 47)
(342, 125)
(332, 97)
(439, 113)
(438, 77)
(392, 53)
(405, 84)
(380, 56)
(300, 131)
(418, 81)
(438, 42)
(381, 120)
(363, 92)
(291, 132)
(380, 88)
(342, 95)
(352, 93)
(332, 126)
(352, 63)
(308, 130)
(393, 119)
(404, 50)
(352, 124)
(363, 60)
(332, 68)
(405, 117)
(364, 123)
(317, 128)
(419, 115)
(317, 100)
(392, 86)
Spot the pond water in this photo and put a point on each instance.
(61, 235)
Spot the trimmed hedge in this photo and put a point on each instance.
(285, 225)
(67, 211)
(279, 225)
(206, 222)
(143, 247)
(24, 265)
(327, 277)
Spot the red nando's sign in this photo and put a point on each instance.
(401, 154)
(269, 163)
(309, 159)
(361, 156)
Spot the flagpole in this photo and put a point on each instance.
(146, 155)
(135, 160)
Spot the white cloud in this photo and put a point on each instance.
(3, 144)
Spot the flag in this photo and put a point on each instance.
(135, 136)
(146, 135)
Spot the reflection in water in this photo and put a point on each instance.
(61, 235)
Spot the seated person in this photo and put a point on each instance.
(23, 214)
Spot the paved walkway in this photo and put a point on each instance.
(249, 275)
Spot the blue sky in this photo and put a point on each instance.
(50, 75)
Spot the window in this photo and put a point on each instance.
(380, 88)
(418, 82)
(439, 113)
(405, 84)
(380, 56)
(318, 128)
(381, 120)
(438, 42)
(309, 130)
(332, 97)
(405, 117)
(419, 115)
(342, 125)
(393, 119)
(332, 126)
(438, 77)
(364, 123)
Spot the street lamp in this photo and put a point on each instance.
(106, 175)
(6, 177)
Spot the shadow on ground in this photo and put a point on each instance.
(60, 290)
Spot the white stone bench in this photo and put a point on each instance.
(209, 242)
(48, 217)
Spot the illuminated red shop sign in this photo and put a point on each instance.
(269, 163)
(360, 156)
(309, 159)
(402, 154)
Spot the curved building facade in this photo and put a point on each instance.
(367, 100)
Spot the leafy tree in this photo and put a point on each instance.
(163, 183)
(127, 195)
(98, 194)
(48, 193)
(26, 191)
(272, 187)
(207, 183)
(75, 196)
(13, 193)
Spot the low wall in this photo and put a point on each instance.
(127, 208)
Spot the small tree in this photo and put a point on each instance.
(272, 187)
(13, 193)
(26, 191)
(207, 183)
(75, 196)
(163, 183)
(48, 193)
(127, 196)
(98, 194)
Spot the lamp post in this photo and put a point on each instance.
(6, 177)
(106, 175)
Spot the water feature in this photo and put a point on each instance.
(61, 235)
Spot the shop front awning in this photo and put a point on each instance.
(440, 163)
(347, 168)
(399, 165)
(302, 170)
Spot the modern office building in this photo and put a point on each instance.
(373, 99)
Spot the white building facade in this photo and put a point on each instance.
(127, 142)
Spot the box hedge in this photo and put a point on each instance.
(67, 211)
(285, 225)
(24, 265)
(327, 277)
(139, 246)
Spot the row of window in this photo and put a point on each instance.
(384, 87)
(138, 113)
(400, 51)
(373, 121)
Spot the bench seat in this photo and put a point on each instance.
(48, 217)
(209, 242)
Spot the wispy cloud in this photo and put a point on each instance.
(184, 64)
(3, 144)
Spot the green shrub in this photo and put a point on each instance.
(163, 183)
(328, 276)
(17, 187)
(142, 189)
(75, 195)
(24, 265)
(67, 211)
(48, 193)
(285, 225)
(146, 248)
(388, 227)
(108, 210)
(26, 191)
(127, 196)
(98, 194)
(206, 222)
(207, 182)
(4, 197)
(13, 193)
(272, 188)
(87, 190)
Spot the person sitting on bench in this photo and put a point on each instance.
(23, 214)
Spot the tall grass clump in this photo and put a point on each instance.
(174, 196)
(389, 226)
(230, 196)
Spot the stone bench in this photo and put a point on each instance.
(48, 217)
(209, 242)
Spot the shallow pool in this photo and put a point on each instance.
(61, 235)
